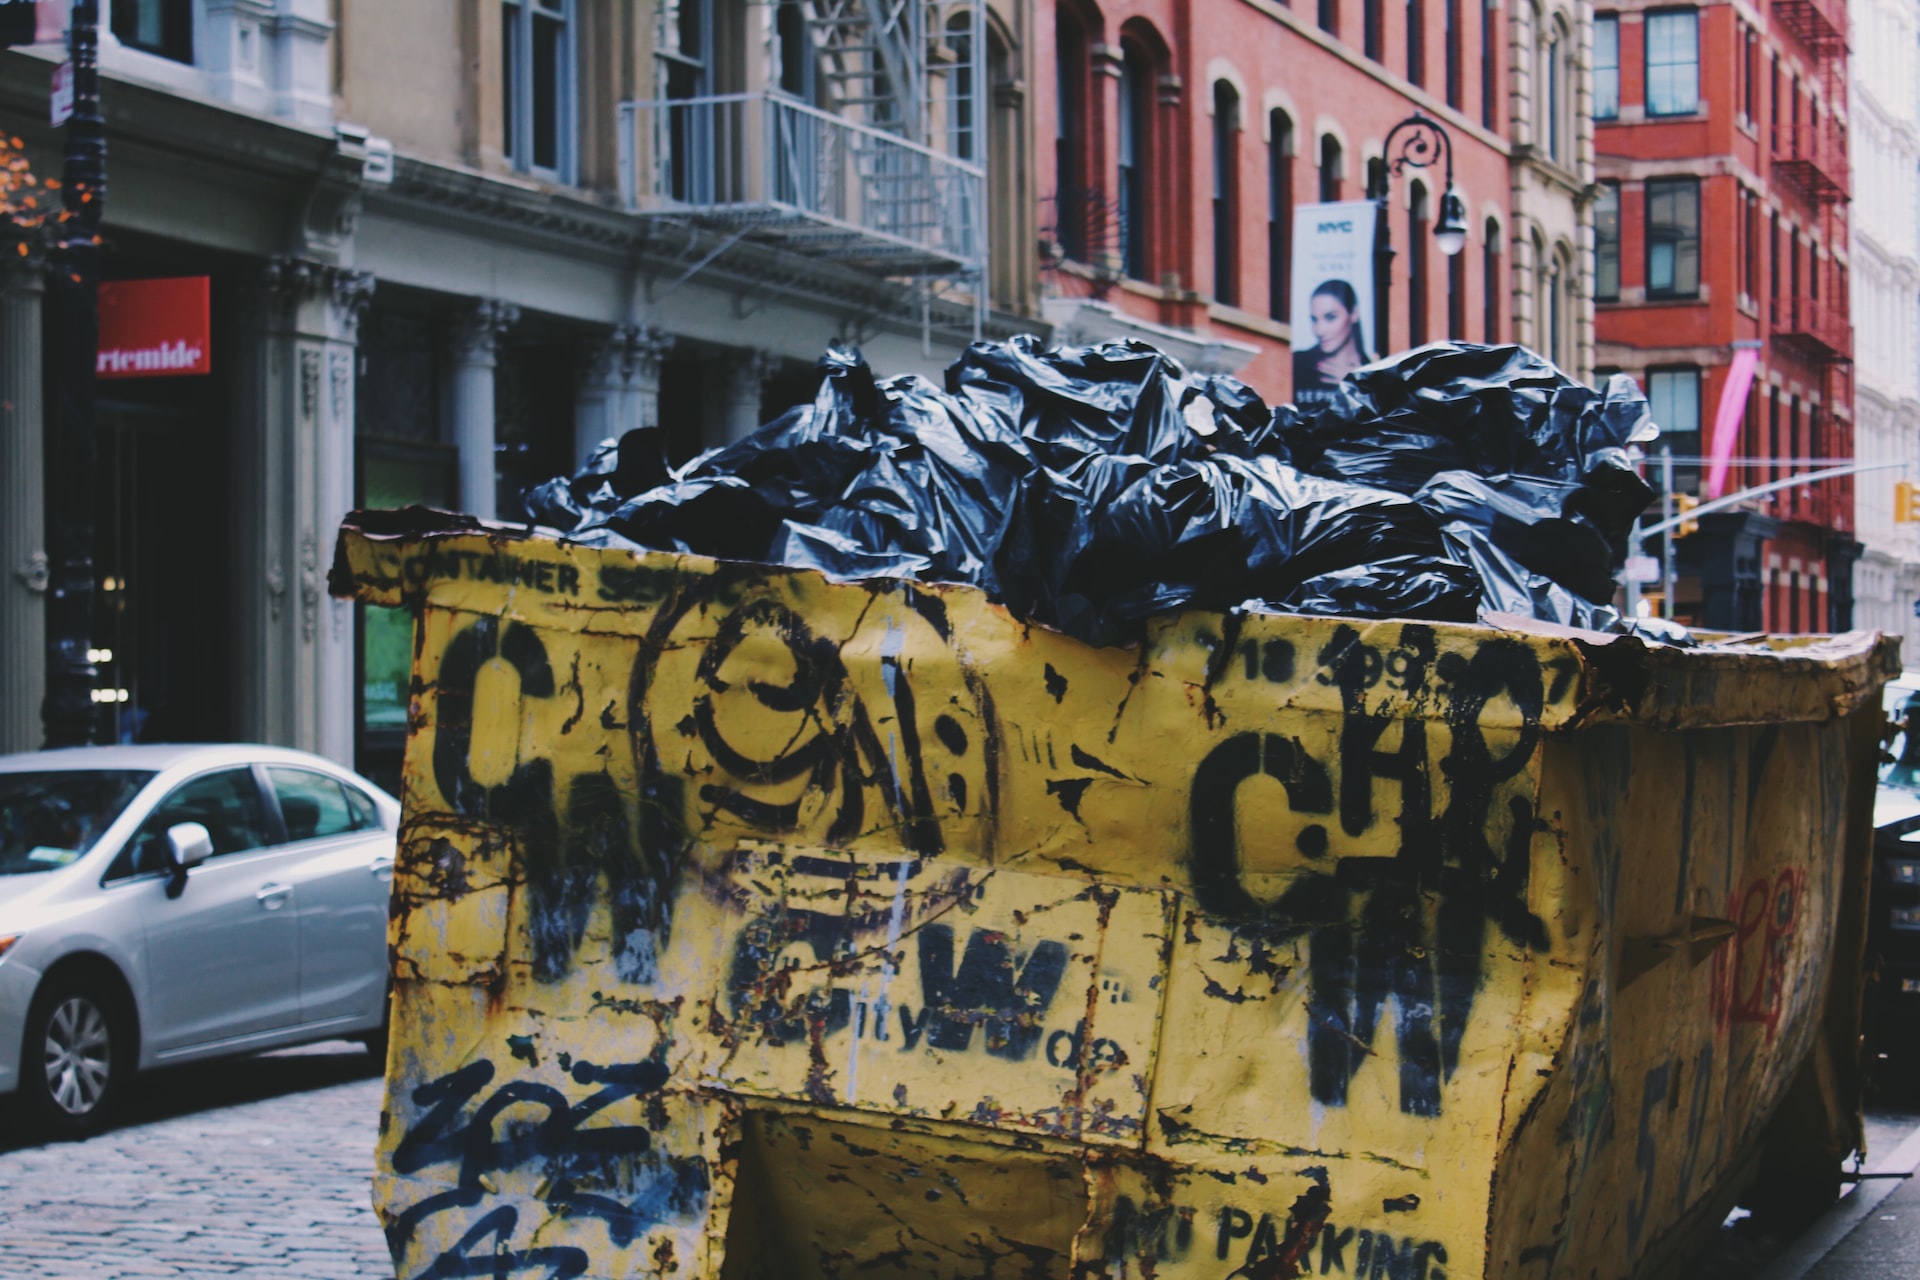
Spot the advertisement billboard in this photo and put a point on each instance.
(154, 328)
(1332, 296)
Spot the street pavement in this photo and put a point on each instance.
(257, 1167)
(260, 1167)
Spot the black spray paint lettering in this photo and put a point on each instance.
(1070, 1050)
(1410, 926)
(1161, 1232)
(1278, 1248)
(1378, 1255)
(990, 991)
(563, 864)
(571, 1154)
(1003, 995)
(1646, 1152)
(493, 566)
(845, 749)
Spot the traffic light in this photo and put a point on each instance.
(1685, 502)
(1906, 502)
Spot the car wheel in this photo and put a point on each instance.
(77, 1057)
(376, 1040)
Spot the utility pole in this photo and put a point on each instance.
(1669, 524)
(1667, 578)
(69, 713)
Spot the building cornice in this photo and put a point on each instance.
(1435, 107)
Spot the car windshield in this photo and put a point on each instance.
(48, 820)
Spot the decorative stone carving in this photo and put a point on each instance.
(287, 281)
(476, 337)
(309, 383)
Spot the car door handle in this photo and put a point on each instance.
(273, 896)
(382, 867)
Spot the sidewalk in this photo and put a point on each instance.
(1873, 1233)
(1885, 1245)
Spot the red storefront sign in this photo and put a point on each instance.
(155, 328)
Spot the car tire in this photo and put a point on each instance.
(77, 1057)
(376, 1040)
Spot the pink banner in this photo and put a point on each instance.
(1726, 420)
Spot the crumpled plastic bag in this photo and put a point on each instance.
(1091, 488)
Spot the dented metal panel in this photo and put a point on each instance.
(749, 924)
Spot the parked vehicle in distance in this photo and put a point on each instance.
(161, 904)
(1892, 1021)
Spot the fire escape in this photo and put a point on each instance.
(1813, 323)
(864, 149)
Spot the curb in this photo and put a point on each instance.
(1837, 1223)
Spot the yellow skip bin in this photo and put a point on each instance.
(749, 924)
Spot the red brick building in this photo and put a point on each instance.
(1722, 151)
(1175, 137)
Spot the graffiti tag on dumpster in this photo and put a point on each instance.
(1410, 926)
(590, 1166)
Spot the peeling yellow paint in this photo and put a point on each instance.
(749, 924)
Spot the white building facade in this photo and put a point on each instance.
(1885, 145)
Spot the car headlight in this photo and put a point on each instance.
(6, 943)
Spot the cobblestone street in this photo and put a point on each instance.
(251, 1168)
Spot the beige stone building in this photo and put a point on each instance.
(1551, 237)
(451, 246)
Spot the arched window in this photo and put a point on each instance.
(1454, 36)
(1552, 93)
(1330, 164)
(1559, 310)
(1542, 340)
(1135, 137)
(1009, 206)
(1226, 193)
(1279, 214)
(1457, 295)
(1492, 282)
(1071, 136)
(1417, 41)
(1418, 234)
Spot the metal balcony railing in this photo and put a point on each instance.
(1820, 25)
(1819, 329)
(1813, 156)
(776, 169)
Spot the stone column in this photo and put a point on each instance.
(740, 395)
(620, 390)
(645, 355)
(293, 462)
(596, 408)
(476, 346)
(23, 538)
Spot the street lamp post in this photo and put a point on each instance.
(69, 713)
(1418, 142)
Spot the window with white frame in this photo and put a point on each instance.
(537, 94)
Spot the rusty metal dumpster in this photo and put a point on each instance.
(749, 924)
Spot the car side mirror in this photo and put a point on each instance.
(188, 845)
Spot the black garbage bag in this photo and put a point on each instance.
(1090, 488)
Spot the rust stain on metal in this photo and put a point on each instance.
(747, 920)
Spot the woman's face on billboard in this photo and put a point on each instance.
(1332, 323)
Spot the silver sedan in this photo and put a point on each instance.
(164, 904)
